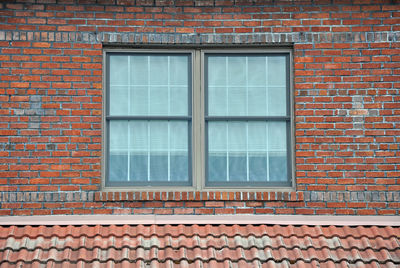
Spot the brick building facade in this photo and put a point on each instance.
(346, 80)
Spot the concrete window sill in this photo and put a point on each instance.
(292, 196)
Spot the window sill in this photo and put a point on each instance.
(291, 196)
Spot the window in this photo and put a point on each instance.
(197, 119)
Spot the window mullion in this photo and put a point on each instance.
(148, 150)
(168, 123)
(198, 123)
(128, 122)
(227, 112)
(148, 122)
(169, 152)
(267, 112)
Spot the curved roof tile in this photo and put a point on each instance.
(200, 246)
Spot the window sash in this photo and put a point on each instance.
(150, 118)
(244, 180)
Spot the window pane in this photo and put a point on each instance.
(217, 71)
(139, 75)
(143, 84)
(257, 71)
(237, 71)
(217, 151)
(178, 101)
(258, 101)
(277, 151)
(277, 101)
(158, 70)
(276, 85)
(118, 159)
(119, 71)
(158, 151)
(247, 151)
(237, 103)
(277, 71)
(257, 145)
(139, 100)
(149, 151)
(250, 85)
(119, 95)
(217, 100)
(237, 151)
(139, 154)
(159, 100)
(178, 148)
(178, 70)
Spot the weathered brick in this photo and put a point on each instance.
(345, 92)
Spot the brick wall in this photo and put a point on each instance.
(346, 88)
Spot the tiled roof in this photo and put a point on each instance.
(199, 246)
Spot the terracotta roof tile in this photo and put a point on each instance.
(199, 246)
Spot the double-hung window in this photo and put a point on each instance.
(197, 119)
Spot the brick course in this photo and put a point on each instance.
(346, 87)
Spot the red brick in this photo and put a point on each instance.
(332, 152)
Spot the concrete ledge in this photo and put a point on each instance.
(200, 219)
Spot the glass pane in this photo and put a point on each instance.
(217, 151)
(237, 148)
(257, 101)
(179, 153)
(257, 71)
(277, 151)
(217, 71)
(139, 70)
(178, 101)
(158, 70)
(119, 100)
(119, 70)
(276, 101)
(178, 70)
(277, 71)
(237, 101)
(217, 100)
(278, 166)
(118, 166)
(237, 71)
(240, 151)
(118, 158)
(139, 153)
(149, 151)
(251, 85)
(149, 85)
(159, 100)
(258, 164)
(158, 150)
(139, 100)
